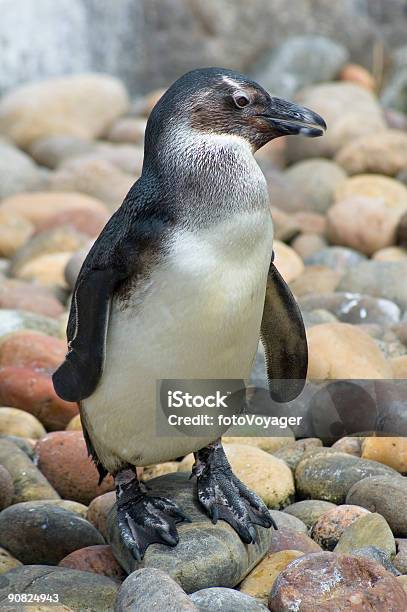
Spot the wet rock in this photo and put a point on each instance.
(378, 555)
(300, 61)
(364, 223)
(6, 487)
(98, 511)
(14, 232)
(383, 152)
(283, 520)
(384, 494)
(19, 295)
(335, 257)
(206, 555)
(151, 588)
(44, 534)
(318, 180)
(218, 598)
(287, 539)
(19, 423)
(293, 454)
(28, 482)
(388, 450)
(329, 527)
(98, 559)
(98, 178)
(32, 390)
(260, 580)
(39, 207)
(353, 307)
(91, 592)
(33, 350)
(312, 583)
(309, 511)
(340, 350)
(63, 459)
(378, 279)
(349, 111)
(14, 320)
(369, 530)
(7, 561)
(288, 263)
(350, 445)
(268, 476)
(315, 279)
(78, 105)
(17, 171)
(330, 476)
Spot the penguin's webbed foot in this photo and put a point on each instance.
(144, 519)
(225, 497)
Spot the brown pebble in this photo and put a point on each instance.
(288, 539)
(98, 559)
(330, 526)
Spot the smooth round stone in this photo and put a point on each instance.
(152, 589)
(6, 487)
(329, 581)
(75, 424)
(400, 560)
(391, 400)
(318, 179)
(33, 350)
(354, 307)
(364, 223)
(330, 526)
(386, 495)
(17, 295)
(51, 151)
(25, 444)
(378, 555)
(19, 423)
(127, 129)
(293, 454)
(266, 475)
(288, 539)
(355, 73)
(153, 471)
(82, 105)
(207, 555)
(330, 476)
(315, 279)
(287, 261)
(308, 243)
(390, 451)
(368, 530)
(338, 258)
(343, 351)
(220, 600)
(283, 520)
(91, 592)
(260, 580)
(14, 232)
(28, 482)
(268, 444)
(63, 459)
(98, 511)
(47, 270)
(393, 193)
(86, 222)
(98, 559)
(317, 317)
(16, 320)
(399, 367)
(74, 265)
(40, 206)
(309, 510)
(350, 445)
(379, 279)
(32, 390)
(391, 253)
(7, 561)
(384, 152)
(22, 532)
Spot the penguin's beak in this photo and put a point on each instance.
(286, 118)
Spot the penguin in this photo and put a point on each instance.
(180, 284)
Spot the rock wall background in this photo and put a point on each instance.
(148, 43)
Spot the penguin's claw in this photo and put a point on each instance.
(225, 497)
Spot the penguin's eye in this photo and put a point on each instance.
(241, 99)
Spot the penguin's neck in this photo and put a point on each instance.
(210, 176)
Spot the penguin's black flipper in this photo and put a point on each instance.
(284, 340)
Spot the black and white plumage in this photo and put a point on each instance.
(179, 284)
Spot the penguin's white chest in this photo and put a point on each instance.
(198, 315)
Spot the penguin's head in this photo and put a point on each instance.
(223, 102)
